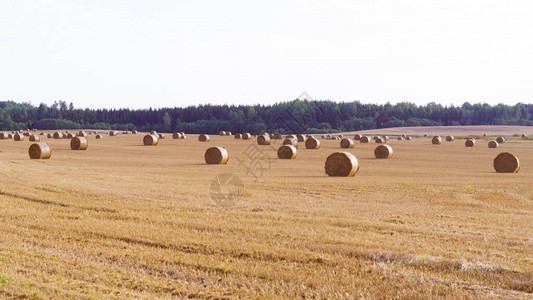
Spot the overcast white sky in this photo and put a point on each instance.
(136, 53)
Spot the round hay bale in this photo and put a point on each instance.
(450, 138)
(228, 133)
(301, 138)
(312, 143)
(246, 136)
(493, 144)
(408, 138)
(10, 136)
(470, 143)
(176, 135)
(221, 133)
(506, 163)
(161, 136)
(290, 136)
(375, 138)
(500, 140)
(151, 140)
(425, 135)
(216, 156)
(341, 164)
(238, 136)
(287, 152)
(485, 135)
(183, 136)
(291, 141)
(3, 136)
(50, 136)
(436, 140)
(400, 138)
(113, 133)
(99, 136)
(79, 143)
(40, 151)
(82, 133)
(328, 136)
(524, 136)
(278, 136)
(364, 139)
(203, 138)
(385, 137)
(347, 143)
(35, 138)
(134, 132)
(42, 133)
(70, 135)
(124, 132)
(154, 133)
(404, 135)
(26, 133)
(383, 151)
(380, 141)
(263, 139)
(18, 137)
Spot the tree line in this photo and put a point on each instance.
(297, 116)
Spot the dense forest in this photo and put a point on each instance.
(298, 116)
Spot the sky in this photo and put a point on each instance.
(163, 53)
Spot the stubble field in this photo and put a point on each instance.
(122, 220)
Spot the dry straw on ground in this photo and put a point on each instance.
(246, 136)
(263, 139)
(40, 151)
(506, 163)
(436, 140)
(312, 143)
(287, 152)
(347, 143)
(203, 138)
(150, 140)
(79, 143)
(470, 143)
(341, 164)
(291, 141)
(216, 155)
(383, 151)
(500, 140)
(301, 138)
(34, 138)
(450, 138)
(493, 144)
(364, 139)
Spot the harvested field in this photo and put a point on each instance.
(121, 220)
